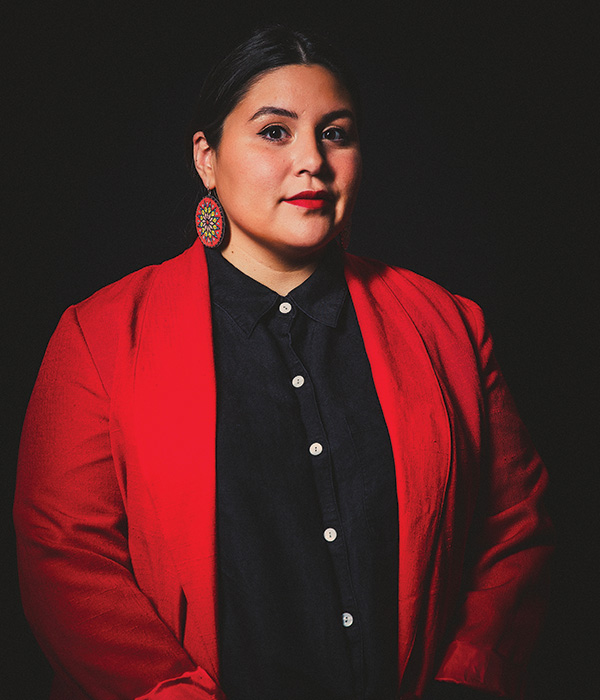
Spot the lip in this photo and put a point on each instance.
(310, 199)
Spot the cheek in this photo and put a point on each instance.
(349, 173)
(254, 172)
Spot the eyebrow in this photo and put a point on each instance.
(280, 112)
(277, 111)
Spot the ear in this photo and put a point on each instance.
(203, 160)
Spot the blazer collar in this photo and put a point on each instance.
(418, 423)
(175, 420)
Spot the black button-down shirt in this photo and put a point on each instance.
(307, 520)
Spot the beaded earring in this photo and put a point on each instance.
(210, 221)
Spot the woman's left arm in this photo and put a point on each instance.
(506, 590)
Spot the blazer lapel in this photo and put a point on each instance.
(175, 419)
(418, 424)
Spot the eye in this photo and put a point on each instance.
(273, 132)
(335, 133)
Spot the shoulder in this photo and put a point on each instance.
(426, 301)
(114, 315)
(128, 295)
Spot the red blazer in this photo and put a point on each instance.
(115, 503)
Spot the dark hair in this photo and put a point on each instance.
(271, 47)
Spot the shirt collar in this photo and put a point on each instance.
(246, 301)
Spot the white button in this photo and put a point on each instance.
(285, 308)
(330, 534)
(298, 381)
(347, 619)
(316, 448)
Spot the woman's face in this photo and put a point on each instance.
(288, 165)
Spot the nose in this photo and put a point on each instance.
(309, 156)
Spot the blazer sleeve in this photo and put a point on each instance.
(506, 585)
(101, 634)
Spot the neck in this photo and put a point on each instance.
(275, 272)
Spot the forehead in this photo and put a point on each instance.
(297, 87)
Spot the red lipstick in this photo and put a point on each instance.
(310, 199)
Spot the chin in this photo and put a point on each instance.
(308, 246)
(315, 237)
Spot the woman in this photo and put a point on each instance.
(269, 469)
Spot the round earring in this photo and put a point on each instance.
(344, 236)
(210, 221)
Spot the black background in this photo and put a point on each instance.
(476, 141)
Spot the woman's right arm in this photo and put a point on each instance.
(102, 635)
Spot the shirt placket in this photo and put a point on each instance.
(321, 461)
